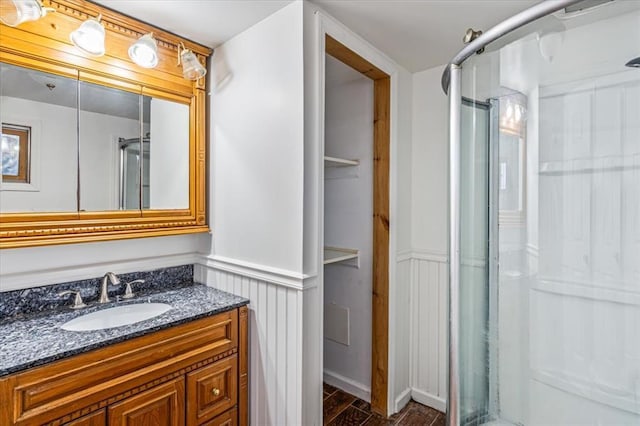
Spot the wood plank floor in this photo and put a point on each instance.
(341, 408)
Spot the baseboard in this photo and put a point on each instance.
(429, 400)
(402, 400)
(347, 385)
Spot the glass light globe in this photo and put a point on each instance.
(192, 69)
(144, 52)
(15, 12)
(89, 37)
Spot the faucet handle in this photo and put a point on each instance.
(77, 301)
(128, 293)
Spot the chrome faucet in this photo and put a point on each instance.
(104, 292)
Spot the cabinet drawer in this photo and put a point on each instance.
(159, 406)
(228, 418)
(212, 390)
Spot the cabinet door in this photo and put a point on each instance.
(160, 406)
(212, 390)
(99, 418)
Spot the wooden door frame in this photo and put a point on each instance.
(381, 186)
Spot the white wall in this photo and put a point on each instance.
(430, 163)
(169, 155)
(35, 266)
(427, 261)
(348, 221)
(257, 119)
(400, 338)
(256, 198)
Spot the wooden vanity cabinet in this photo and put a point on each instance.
(192, 374)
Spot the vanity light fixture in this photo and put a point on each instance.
(15, 12)
(144, 52)
(89, 37)
(192, 69)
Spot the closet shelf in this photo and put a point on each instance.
(339, 162)
(337, 254)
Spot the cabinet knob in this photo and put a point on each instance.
(215, 391)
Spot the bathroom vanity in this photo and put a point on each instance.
(186, 366)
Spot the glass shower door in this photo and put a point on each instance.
(551, 335)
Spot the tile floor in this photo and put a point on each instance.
(341, 408)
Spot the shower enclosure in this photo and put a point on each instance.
(545, 219)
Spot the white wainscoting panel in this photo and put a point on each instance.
(401, 391)
(275, 338)
(429, 315)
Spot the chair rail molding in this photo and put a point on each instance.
(269, 274)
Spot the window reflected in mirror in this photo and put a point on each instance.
(15, 153)
(39, 141)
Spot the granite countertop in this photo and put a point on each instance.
(38, 339)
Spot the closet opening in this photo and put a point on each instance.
(356, 225)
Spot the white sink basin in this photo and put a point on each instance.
(116, 317)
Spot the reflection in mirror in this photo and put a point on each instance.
(168, 153)
(108, 117)
(512, 149)
(129, 164)
(39, 122)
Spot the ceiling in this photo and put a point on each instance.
(209, 22)
(417, 34)
(420, 34)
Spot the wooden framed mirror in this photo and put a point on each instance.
(98, 148)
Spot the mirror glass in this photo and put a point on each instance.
(39, 144)
(109, 120)
(55, 127)
(166, 154)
